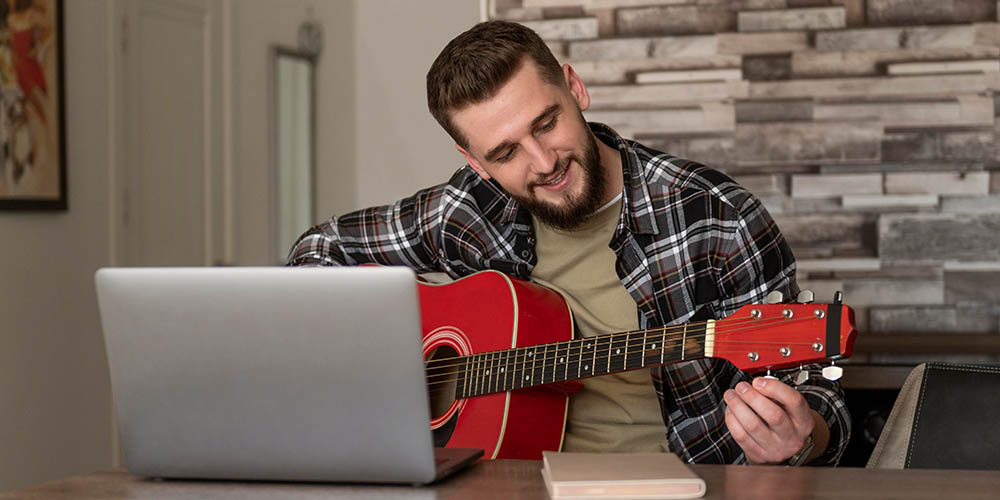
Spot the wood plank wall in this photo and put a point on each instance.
(868, 128)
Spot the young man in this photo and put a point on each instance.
(632, 237)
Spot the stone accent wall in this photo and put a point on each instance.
(868, 128)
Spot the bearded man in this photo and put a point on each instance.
(631, 237)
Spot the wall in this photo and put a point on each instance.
(399, 147)
(54, 391)
(256, 26)
(376, 141)
(868, 128)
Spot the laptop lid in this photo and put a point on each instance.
(268, 373)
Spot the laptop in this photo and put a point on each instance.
(288, 374)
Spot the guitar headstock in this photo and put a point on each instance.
(774, 336)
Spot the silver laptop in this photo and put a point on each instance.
(271, 374)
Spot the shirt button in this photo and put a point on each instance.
(525, 254)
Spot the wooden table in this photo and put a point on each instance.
(520, 480)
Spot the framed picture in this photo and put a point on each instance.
(32, 120)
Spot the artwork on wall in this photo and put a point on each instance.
(32, 121)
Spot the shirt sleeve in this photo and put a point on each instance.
(405, 233)
(756, 261)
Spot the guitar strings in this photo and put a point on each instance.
(600, 343)
(730, 327)
(721, 346)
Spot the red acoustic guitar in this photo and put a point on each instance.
(502, 361)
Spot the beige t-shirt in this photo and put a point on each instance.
(617, 412)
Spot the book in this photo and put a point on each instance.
(619, 475)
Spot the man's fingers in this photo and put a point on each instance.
(792, 401)
(751, 423)
(754, 452)
(769, 411)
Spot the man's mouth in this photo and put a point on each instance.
(558, 179)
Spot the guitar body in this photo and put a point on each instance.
(487, 312)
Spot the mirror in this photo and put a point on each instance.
(294, 146)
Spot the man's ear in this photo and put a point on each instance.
(576, 87)
(473, 162)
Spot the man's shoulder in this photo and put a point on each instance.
(668, 176)
(463, 184)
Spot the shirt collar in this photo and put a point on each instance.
(637, 203)
(638, 211)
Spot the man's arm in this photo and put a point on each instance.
(403, 234)
(771, 419)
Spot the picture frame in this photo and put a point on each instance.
(32, 106)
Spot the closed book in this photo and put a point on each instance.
(619, 475)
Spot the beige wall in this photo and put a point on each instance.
(376, 139)
(256, 26)
(54, 390)
(376, 142)
(399, 147)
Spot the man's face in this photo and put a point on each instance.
(531, 137)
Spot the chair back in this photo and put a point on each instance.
(944, 418)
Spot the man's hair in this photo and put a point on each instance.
(474, 65)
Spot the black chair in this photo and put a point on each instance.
(944, 418)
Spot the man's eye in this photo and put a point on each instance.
(549, 126)
(507, 156)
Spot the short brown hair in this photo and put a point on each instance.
(474, 65)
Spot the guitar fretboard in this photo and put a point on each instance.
(506, 370)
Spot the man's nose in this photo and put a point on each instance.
(543, 159)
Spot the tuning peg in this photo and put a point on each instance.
(838, 297)
(805, 297)
(802, 376)
(833, 372)
(775, 297)
(769, 375)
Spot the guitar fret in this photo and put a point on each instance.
(684, 333)
(501, 372)
(508, 361)
(573, 359)
(588, 365)
(663, 344)
(635, 345)
(484, 383)
(463, 374)
(470, 376)
(563, 358)
(491, 372)
(529, 355)
(548, 368)
(515, 368)
(487, 379)
(525, 375)
(536, 366)
(617, 350)
(645, 349)
(482, 373)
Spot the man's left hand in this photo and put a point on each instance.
(769, 420)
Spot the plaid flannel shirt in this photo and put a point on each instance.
(689, 240)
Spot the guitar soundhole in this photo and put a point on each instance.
(442, 379)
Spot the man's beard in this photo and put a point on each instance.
(575, 211)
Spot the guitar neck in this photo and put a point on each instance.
(506, 370)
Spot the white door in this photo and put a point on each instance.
(169, 175)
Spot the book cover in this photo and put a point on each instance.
(619, 475)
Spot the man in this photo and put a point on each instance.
(633, 238)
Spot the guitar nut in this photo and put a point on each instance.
(755, 314)
(752, 355)
(817, 346)
(819, 314)
(787, 313)
(785, 352)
